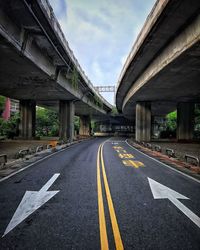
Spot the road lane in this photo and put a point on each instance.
(107, 184)
(146, 223)
(67, 221)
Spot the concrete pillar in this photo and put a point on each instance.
(85, 127)
(27, 121)
(66, 112)
(185, 121)
(143, 121)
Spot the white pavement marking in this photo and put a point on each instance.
(31, 201)
(190, 177)
(113, 142)
(160, 191)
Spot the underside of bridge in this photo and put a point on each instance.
(162, 72)
(37, 67)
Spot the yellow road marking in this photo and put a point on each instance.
(102, 222)
(131, 163)
(120, 151)
(116, 232)
(125, 156)
(117, 147)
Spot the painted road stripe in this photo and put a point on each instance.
(115, 227)
(117, 147)
(127, 156)
(131, 163)
(102, 222)
(121, 151)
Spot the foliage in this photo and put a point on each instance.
(75, 79)
(10, 128)
(197, 121)
(197, 116)
(171, 121)
(98, 101)
(76, 124)
(47, 122)
(114, 111)
(94, 126)
(2, 103)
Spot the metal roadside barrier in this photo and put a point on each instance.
(39, 149)
(157, 148)
(192, 159)
(22, 153)
(170, 152)
(31, 151)
(59, 143)
(49, 146)
(148, 145)
(3, 159)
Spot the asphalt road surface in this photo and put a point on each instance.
(100, 194)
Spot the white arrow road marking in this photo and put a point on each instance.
(160, 191)
(31, 201)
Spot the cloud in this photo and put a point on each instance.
(59, 7)
(101, 33)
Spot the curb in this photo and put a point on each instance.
(163, 159)
(43, 155)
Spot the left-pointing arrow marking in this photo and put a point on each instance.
(31, 201)
(160, 191)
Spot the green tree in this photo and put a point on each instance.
(76, 124)
(10, 128)
(171, 121)
(197, 115)
(114, 111)
(47, 122)
(2, 103)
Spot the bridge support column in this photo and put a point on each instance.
(85, 127)
(185, 121)
(143, 121)
(27, 121)
(66, 112)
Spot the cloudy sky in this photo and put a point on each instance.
(101, 34)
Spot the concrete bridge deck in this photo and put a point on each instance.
(38, 67)
(162, 71)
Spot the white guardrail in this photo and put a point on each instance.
(47, 7)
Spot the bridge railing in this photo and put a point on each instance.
(55, 24)
(149, 22)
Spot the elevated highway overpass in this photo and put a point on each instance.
(37, 67)
(162, 71)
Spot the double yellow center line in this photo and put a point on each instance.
(102, 220)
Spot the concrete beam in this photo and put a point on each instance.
(27, 121)
(143, 121)
(185, 121)
(66, 115)
(85, 126)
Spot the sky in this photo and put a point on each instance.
(101, 34)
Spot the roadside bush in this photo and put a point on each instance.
(10, 128)
(47, 122)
